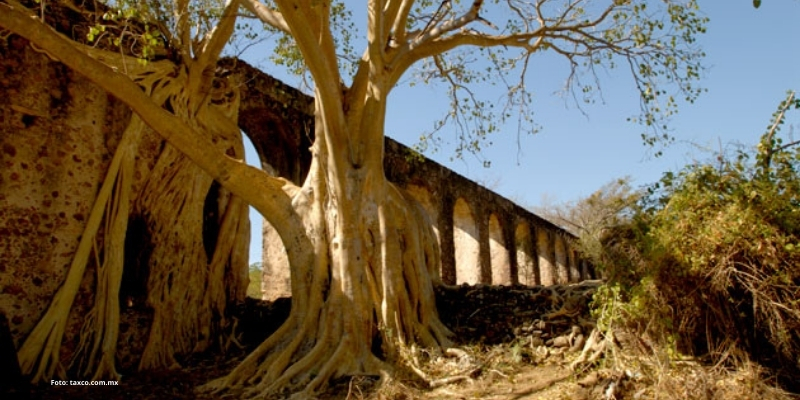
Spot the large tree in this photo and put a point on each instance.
(362, 253)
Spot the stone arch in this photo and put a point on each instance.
(562, 268)
(546, 251)
(586, 272)
(465, 241)
(574, 264)
(422, 195)
(275, 270)
(498, 253)
(526, 261)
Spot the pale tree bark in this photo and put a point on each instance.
(369, 295)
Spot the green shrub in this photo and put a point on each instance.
(254, 288)
(710, 263)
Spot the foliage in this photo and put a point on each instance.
(155, 29)
(711, 262)
(591, 217)
(168, 16)
(655, 41)
(254, 288)
(287, 54)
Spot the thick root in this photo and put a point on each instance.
(356, 310)
(39, 354)
(594, 348)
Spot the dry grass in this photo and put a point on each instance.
(514, 371)
(640, 370)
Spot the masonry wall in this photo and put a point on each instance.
(57, 136)
(484, 237)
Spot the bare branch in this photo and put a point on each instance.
(215, 40)
(267, 15)
(530, 42)
(376, 37)
(399, 18)
(434, 31)
(183, 28)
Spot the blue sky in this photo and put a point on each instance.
(752, 56)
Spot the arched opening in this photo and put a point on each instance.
(574, 265)
(500, 261)
(526, 263)
(562, 268)
(465, 240)
(586, 271)
(269, 264)
(545, 250)
(254, 257)
(423, 196)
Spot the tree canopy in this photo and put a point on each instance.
(469, 46)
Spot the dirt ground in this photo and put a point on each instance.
(528, 382)
(484, 335)
(500, 359)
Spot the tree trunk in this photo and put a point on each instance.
(196, 234)
(362, 254)
(369, 293)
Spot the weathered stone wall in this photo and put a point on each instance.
(57, 136)
(469, 216)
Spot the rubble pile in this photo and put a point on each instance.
(553, 316)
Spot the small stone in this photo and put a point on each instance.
(578, 342)
(561, 341)
(536, 341)
(589, 380)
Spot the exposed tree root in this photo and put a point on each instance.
(594, 348)
(101, 327)
(189, 271)
(448, 380)
(39, 354)
(357, 308)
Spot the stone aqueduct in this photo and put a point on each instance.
(484, 237)
(59, 133)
